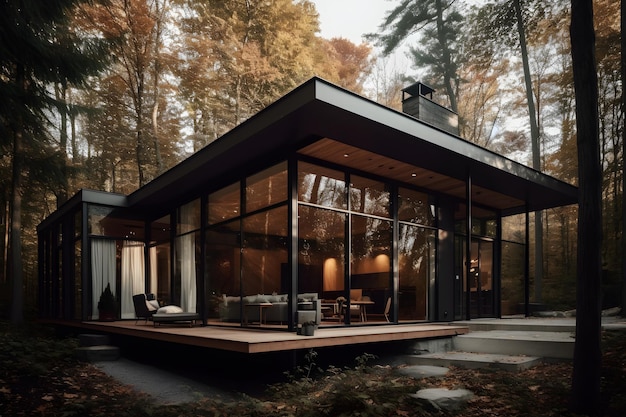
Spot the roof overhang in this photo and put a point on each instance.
(84, 196)
(318, 110)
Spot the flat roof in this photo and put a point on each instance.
(320, 110)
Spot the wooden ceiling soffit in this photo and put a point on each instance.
(359, 159)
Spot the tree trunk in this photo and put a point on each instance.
(585, 394)
(140, 149)
(156, 77)
(536, 153)
(6, 234)
(449, 73)
(61, 96)
(623, 68)
(17, 306)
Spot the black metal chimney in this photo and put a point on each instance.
(417, 100)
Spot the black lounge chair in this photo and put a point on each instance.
(142, 311)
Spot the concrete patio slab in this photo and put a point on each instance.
(470, 360)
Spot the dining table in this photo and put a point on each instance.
(362, 307)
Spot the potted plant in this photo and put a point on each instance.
(107, 306)
(308, 328)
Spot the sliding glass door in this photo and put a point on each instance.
(478, 290)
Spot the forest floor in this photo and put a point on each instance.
(39, 375)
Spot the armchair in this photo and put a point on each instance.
(145, 306)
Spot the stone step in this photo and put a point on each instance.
(470, 360)
(550, 345)
(98, 353)
(93, 339)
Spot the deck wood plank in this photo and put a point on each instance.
(260, 340)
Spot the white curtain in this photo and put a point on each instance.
(133, 276)
(102, 271)
(154, 279)
(187, 258)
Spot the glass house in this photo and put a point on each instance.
(324, 206)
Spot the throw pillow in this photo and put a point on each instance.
(169, 310)
(150, 307)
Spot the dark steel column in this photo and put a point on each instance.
(85, 266)
(395, 262)
(201, 281)
(527, 266)
(292, 239)
(496, 286)
(468, 245)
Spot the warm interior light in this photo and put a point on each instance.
(331, 275)
(381, 263)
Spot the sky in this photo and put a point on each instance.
(351, 18)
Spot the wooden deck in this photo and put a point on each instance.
(260, 340)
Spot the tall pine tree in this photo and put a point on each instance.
(439, 23)
(37, 49)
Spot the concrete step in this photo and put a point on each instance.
(471, 360)
(526, 325)
(98, 353)
(550, 345)
(93, 339)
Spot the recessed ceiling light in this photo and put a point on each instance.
(345, 155)
(413, 174)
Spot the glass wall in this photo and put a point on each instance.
(416, 264)
(370, 283)
(266, 188)
(223, 271)
(77, 275)
(223, 253)
(474, 295)
(224, 204)
(49, 301)
(246, 250)
(187, 255)
(160, 260)
(331, 202)
(416, 254)
(322, 186)
(265, 253)
(117, 257)
(321, 251)
(513, 261)
(78, 282)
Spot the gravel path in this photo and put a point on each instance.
(165, 387)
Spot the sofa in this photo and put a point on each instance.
(309, 308)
